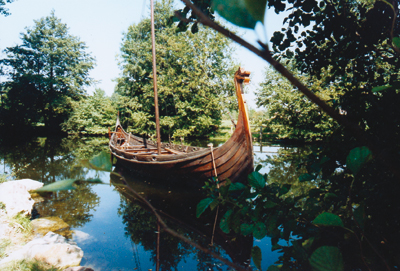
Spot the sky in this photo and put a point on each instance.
(101, 24)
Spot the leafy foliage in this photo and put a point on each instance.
(235, 12)
(194, 74)
(45, 73)
(328, 219)
(324, 228)
(291, 115)
(92, 115)
(327, 258)
(256, 255)
(185, 17)
(357, 158)
(3, 10)
(350, 47)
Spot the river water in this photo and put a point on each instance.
(114, 229)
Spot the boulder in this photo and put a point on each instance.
(5, 229)
(44, 225)
(16, 198)
(52, 249)
(30, 184)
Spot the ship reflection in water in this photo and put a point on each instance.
(177, 207)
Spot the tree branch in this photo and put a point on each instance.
(265, 54)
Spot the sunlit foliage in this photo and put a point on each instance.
(194, 74)
(290, 114)
(93, 114)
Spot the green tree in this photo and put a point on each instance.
(91, 115)
(194, 75)
(291, 115)
(353, 41)
(3, 10)
(51, 67)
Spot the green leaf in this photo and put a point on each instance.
(237, 186)
(327, 258)
(328, 219)
(308, 243)
(305, 177)
(101, 161)
(260, 230)
(256, 256)
(270, 204)
(359, 216)
(256, 180)
(324, 160)
(273, 268)
(357, 158)
(246, 229)
(214, 204)
(58, 186)
(93, 181)
(382, 88)
(271, 223)
(284, 189)
(274, 243)
(202, 206)
(258, 167)
(225, 221)
(256, 8)
(396, 42)
(235, 11)
(330, 196)
(235, 222)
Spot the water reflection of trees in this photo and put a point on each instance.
(286, 166)
(141, 227)
(177, 206)
(73, 206)
(52, 159)
(49, 159)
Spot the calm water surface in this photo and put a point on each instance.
(113, 229)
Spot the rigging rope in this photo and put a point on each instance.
(216, 179)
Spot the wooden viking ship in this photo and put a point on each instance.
(233, 160)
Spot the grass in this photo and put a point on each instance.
(224, 130)
(22, 224)
(4, 244)
(28, 265)
(4, 178)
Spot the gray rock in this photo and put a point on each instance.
(52, 248)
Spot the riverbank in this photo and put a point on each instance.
(37, 244)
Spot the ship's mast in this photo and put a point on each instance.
(153, 42)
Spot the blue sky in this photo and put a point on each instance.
(100, 24)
